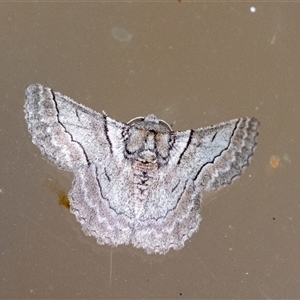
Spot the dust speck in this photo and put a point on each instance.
(121, 34)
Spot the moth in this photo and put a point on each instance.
(138, 182)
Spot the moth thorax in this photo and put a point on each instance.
(147, 156)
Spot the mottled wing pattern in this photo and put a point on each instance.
(215, 155)
(111, 211)
(68, 133)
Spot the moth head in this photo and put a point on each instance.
(150, 122)
(148, 140)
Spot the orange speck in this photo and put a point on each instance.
(63, 199)
(274, 161)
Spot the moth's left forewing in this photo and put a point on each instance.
(213, 156)
(228, 153)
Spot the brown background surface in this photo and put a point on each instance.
(191, 64)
